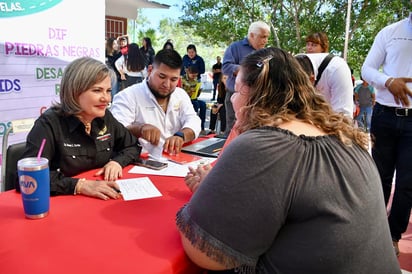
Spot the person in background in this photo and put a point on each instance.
(317, 42)
(219, 107)
(257, 38)
(299, 181)
(217, 72)
(387, 67)
(168, 45)
(147, 51)
(81, 134)
(123, 42)
(307, 66)
(193, 59)
(365, 98)
(193, 88)
(156, 111)
(131, 66)
(352, 77)
(112, 54)
(335, 84)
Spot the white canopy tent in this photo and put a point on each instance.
(128, 8)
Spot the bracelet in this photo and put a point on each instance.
(78, 188)
(390, 83)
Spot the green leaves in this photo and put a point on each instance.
(227, 21)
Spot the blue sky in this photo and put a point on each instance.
(155, 15)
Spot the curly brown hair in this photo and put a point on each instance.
(280, 91)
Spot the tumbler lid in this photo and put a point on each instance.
(32, 163)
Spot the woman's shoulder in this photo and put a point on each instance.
(52, 113)
(53, 117)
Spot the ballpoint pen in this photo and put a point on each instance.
(217, 149)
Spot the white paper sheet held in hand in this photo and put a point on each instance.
(138, 188)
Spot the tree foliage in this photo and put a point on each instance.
(180, 35)
(222, 22)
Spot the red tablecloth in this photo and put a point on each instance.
(88, 235)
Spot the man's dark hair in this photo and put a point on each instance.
(169, 57)
(305, 63)
(193, 69)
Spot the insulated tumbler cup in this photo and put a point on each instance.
(34, 181)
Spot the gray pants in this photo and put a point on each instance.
(230, 113)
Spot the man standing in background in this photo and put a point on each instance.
(257, 38)
(391, 125)
(217, 71)
(365, 99)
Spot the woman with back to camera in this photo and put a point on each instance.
(295, 191)
(132, 66)
(81, 134)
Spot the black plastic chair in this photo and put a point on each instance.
(13, 154)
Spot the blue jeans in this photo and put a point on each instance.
(200, 107)
(365, 112)
(392, 151)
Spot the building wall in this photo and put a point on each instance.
(115, 26)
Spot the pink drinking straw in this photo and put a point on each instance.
(41, 149)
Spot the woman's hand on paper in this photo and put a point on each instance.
(104, 190)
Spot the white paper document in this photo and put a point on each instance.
(138, 188)
(155, 152)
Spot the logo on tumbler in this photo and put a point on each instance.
(28, 184)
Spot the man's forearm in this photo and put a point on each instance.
(135, 129)
(189, 134)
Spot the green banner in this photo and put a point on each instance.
(10, 8)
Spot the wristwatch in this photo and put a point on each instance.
(180, 134)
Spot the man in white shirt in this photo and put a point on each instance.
(391, 125)
(156, 111)
(335, 83)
